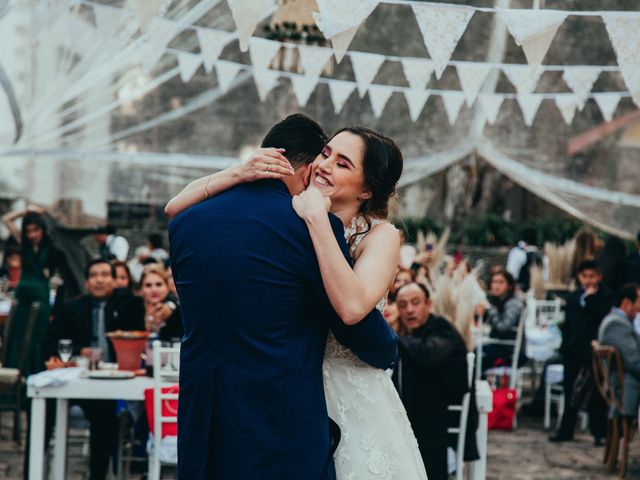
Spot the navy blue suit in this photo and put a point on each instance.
(256, 318)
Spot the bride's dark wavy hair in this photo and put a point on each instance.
(382, 164)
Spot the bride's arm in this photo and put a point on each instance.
(353, 292)
(265, 163)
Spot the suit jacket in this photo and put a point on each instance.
(633, 268)
(432, 374)
(581, 324)
(74, 321)
(617, 331)
(256, 317)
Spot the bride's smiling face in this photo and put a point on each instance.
(339, 170)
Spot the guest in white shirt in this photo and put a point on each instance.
(112, 246)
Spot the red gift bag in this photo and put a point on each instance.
(505, 401)
(169, 409)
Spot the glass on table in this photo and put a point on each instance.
(95, 357)
(65, 349)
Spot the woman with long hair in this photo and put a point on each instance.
(40, 260)
(353, 177)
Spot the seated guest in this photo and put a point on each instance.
(123, 276)
(162, 313)
(503, 316)
(11, 267)
(617, 331)
(85, 321)
(431, 374)
(586, 307)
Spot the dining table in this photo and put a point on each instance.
(71, 389)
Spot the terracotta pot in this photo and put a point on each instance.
(128, 350)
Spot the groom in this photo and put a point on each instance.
(256, 318)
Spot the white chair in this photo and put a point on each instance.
(163, 451)
(554, 393)
(463, 408)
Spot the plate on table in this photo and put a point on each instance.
(111, 374)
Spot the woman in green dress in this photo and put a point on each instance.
(40, 259)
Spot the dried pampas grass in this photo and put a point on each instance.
(561, 259)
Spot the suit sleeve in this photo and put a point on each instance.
(625, 340)
(430, 352)
(371, 339)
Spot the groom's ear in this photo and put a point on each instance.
(307, 175)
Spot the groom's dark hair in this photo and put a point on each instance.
(302, 138)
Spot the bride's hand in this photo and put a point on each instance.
(264, 163)
(311, 204)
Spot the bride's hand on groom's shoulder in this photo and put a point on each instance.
(311, 204)
(264, 163)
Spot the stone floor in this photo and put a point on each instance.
(524, 454)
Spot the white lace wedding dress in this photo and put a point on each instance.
(377, 442)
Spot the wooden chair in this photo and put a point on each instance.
(607, 366)
(12, 379)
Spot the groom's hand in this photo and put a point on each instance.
(311, 204)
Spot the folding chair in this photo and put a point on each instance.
(463, 408)
(163, 450)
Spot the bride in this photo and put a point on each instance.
(354, 177)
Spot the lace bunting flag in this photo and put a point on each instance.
(567, 103)
(365, 67)
(452, 103)
(607, 103)
(212, 42)
(188, 63)
(581, 80)
(265, 80)
(379, 96)
(246, 14)
(417, 71)
(490, 104)
(303, 87)
(416, 99)
(340, 92)
(441, 27)
(624, 33)
(533, 30)
(529, 104)
(226, 73)
(472, 76)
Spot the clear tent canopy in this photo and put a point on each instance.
(128, 101)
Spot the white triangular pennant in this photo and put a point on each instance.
(188, 64)
(246, 14)
(524, 78)
(340, 91)
(452, 103)
(313, 59)
(212, 42)
(265, 80)
(490, 104)
(339, 21)
(417, 71)
(624, 32)
(365, 67)
(472, 76)
(379, 96)
(441, 27)
(529, 104)
(416, 98)
(567, 103)
(160, 33)
(337, 16)
(581, 80)
(533, 30)
(303, 88)
(147, 10)
(262, 51)
(607, 102)
(226, 73)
